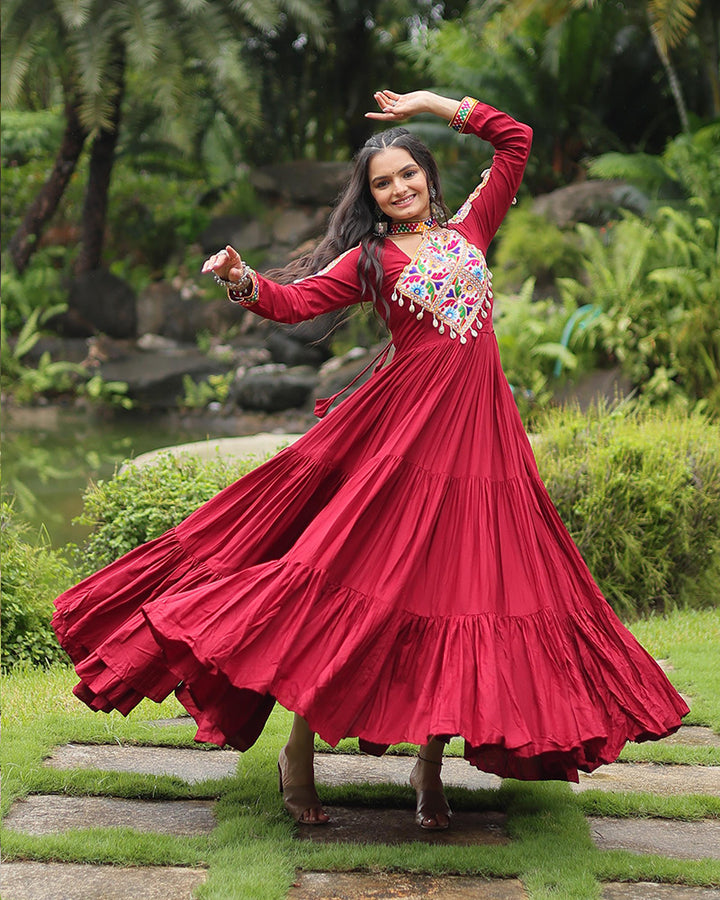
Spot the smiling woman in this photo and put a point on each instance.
(399, 573)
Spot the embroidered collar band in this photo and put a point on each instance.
(411, 227)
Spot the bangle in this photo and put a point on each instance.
(247, 292)
(462, 114)
(233, 285)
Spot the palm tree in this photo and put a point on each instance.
(672, 23)
(92, 44)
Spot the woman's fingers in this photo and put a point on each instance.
(222, 262)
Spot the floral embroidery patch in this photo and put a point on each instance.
(449, 278)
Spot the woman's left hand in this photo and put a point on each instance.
(395, 107)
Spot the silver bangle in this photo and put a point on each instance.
(234, 285)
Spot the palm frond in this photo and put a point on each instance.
(73, 13)
(264, 15)
(638, 168)
(144, 30)
(671, 20)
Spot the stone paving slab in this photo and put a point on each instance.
(645, 890)
(54, 814)
(393, 826)
(654, 778)
(337, 769)
(694, 736)
(667, 837)
(190, 765)
(357, 886)
(74, 881)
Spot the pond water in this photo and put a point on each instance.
(51, 454)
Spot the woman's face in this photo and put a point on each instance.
(399, 185)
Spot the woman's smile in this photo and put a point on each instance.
(399, 185)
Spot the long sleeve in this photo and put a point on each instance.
(481, 214)
(335, 286)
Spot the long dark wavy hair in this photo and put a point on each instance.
(353, 220)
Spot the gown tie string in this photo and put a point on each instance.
(322, 405)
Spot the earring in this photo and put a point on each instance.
(381, 226)
(437, 212)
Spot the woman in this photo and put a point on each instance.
(399, 573)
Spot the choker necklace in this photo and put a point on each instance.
(411, 227)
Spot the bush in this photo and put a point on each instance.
(538, 347)
(657, 285)
(142, 502)
(32, 576)
(529, 245)
(639, 492)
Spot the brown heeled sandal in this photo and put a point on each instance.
(431, 802)
(298, 799)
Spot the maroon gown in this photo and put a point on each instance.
(400, 570)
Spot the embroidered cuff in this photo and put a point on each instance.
(250, 294)
(462, 114)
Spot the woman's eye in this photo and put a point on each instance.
(410, 174)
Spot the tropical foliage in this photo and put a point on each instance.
(84, 55)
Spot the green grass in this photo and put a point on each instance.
(252, 852)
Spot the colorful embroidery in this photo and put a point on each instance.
(462, 114)
(246, 297)
(464, 210)
(449, 278)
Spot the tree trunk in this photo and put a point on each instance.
(25, 240)
(675, 88)
(102, 158)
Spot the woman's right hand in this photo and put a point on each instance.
(227, 264)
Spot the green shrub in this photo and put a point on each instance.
(535, 352)
(531, 246)
(142, 502)
(657, 284)
(32, 576)
(640, 494)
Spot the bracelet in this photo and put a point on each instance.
(233, 285)
(246, 294)
(462, 114)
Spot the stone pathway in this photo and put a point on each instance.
(189, 765)
(55, 813)
(72, 881)
(681, 840)
(352, 886)
(40, 815)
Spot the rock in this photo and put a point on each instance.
(272, 388)
(155, 380)
(330, 382)
(151, 343)
(599, 385)
(98, 301)
(162, 310)
(294, 226)
(284, 349)
(236, 230)
(594, 202)
(70, 349)
(303, 181)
